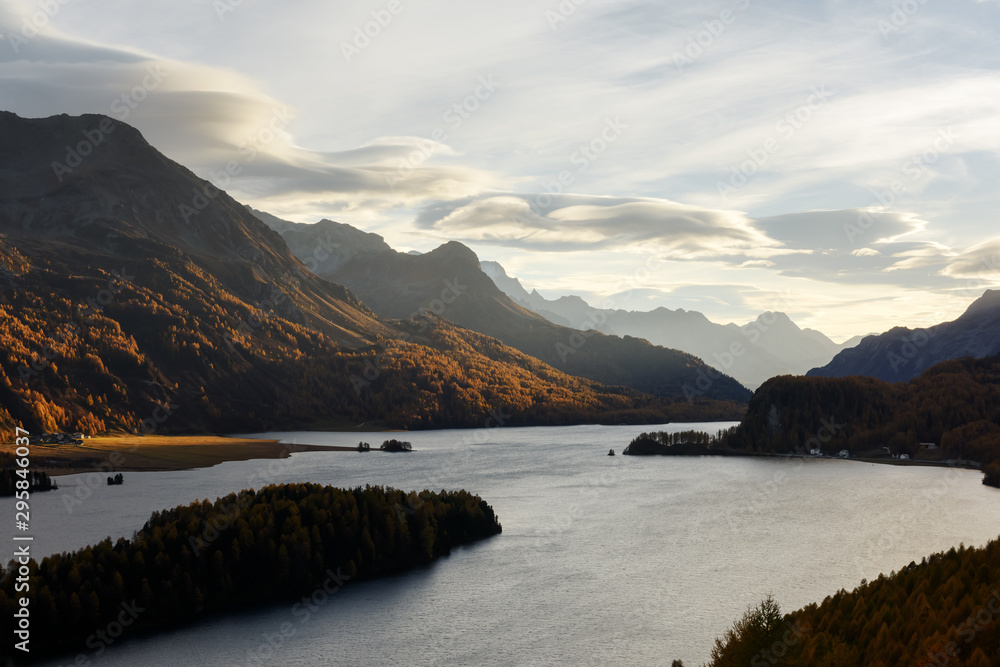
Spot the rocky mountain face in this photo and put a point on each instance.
(326, 245)
(449, 283)
(770, 345)
(901, 353)
(89, 191)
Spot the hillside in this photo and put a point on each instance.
(954, 406)
(941, 611)
(448, 282)
(770, 345)
(901, 354)
(135, 296)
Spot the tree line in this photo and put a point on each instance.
(10, 474)
(954, 406)
(279, 543)
(680, 443)
(944, 611)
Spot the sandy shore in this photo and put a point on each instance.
(158, 453)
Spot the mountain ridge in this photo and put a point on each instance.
(769, 345)
(449, 282)
(902, 353)
(136, 296)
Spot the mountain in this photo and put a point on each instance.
(449, 283)
(326, 245)
(136, 296)
(768, 346)
(901, 353)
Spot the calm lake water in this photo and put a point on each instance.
(602, 561)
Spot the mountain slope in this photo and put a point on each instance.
(770, 345)
(448, 282)
(901, 354)
(135, 296)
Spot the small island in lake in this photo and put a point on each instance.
(396, 446)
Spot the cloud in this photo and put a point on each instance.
(577, 222)
(216, 122)
(981, 261)
(841, 229)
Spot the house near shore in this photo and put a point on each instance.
(904, 457)
(928, 446)
(815, 452)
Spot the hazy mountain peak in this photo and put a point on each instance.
(774, 345)
(990, 300)
(326, 245)
(510, 286)
(493, 269)
(453, 250)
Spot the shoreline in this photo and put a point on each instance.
(950, 463)
(158, 453)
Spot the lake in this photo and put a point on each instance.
(602, 561)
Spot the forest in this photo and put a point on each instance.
(37, 481)
(943, 611)
(249, 548)
(954, 407)
(172, 354)
(681, 443)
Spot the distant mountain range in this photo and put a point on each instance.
(768, 346)
(135, 296)
(901, 354)
(449, 283)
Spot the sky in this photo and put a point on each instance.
(837, 160)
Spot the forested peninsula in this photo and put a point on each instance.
(950, 413)
(282, 543)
